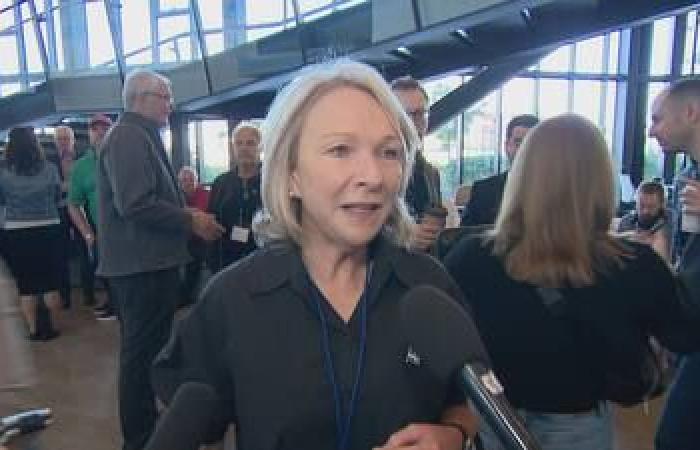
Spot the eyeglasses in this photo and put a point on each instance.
(167, 97)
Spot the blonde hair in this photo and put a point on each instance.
(64, 129)
(280, 218)
(553, 226)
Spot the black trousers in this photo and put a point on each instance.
(67, 248)
(146, 304)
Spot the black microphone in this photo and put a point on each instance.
(185, 423)
(446, 340)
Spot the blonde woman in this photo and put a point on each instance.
(300, 340)
(558, 300)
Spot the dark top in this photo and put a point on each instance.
(686, 246)
(255, 337)
(142, 224)
(485, 201)
(234, 201)
(423, 189)
(630, 222)
(550, 364)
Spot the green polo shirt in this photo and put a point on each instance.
(83, 187)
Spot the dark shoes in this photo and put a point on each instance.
(104, 312)
(44, 336)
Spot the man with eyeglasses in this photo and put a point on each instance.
(486, 195)
(423, 197)
(144, 228)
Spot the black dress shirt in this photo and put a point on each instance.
(256, 338)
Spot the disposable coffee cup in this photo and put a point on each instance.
(690, 223)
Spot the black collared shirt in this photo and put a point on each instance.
(256, 338)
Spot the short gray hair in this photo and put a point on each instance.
(246, 125)
(139, 81)
(279, 219)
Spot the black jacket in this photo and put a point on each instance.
(255, 336)
(485, 201)
(233, 202)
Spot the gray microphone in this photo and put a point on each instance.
(445, 338)
(185, 424)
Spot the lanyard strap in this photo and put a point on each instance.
(344, 421)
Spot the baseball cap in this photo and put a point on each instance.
(99, 119)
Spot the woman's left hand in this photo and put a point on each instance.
(425, 437)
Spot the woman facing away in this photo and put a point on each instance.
(30, 232)
(559, 301)
(301, 340)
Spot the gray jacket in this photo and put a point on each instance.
(142, 224)
(28, 198)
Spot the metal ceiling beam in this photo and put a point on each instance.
(484, 82)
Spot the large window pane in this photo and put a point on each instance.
(7, 18)
(58, 37)
(192, 130)
(137, 34)
(690, 46)
(587, 95)
(213, 152)
(518, 98)
(557, 61)
(215, 43)
(554, 98)
(609, 119)
(589, 55)
(270, 11)
(31, 48)
(481, 148)
(9, 64)
(309, 5)
(662, 46)
(167, 5)
(31, 43)
(99, 37)
(212, 13)
(613, 56)
(441, 147)
(653, 155)
(174, 50)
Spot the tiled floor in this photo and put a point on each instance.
(77, 374)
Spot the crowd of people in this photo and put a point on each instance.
(314, 248)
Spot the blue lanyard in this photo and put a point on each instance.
(344, 424)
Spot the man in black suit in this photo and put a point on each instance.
(486, 194)
(423, 190)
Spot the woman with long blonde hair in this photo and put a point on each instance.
(560, 302)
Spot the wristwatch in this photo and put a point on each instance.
(467, 442)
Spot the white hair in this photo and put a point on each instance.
(138, 82)
(188, 169)
(64, 129)
(280, 218)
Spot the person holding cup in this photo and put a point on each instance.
(423, 197)
(675, 123)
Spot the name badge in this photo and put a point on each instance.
(240, 234)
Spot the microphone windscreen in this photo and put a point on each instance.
(440, 332)
(185, 424)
